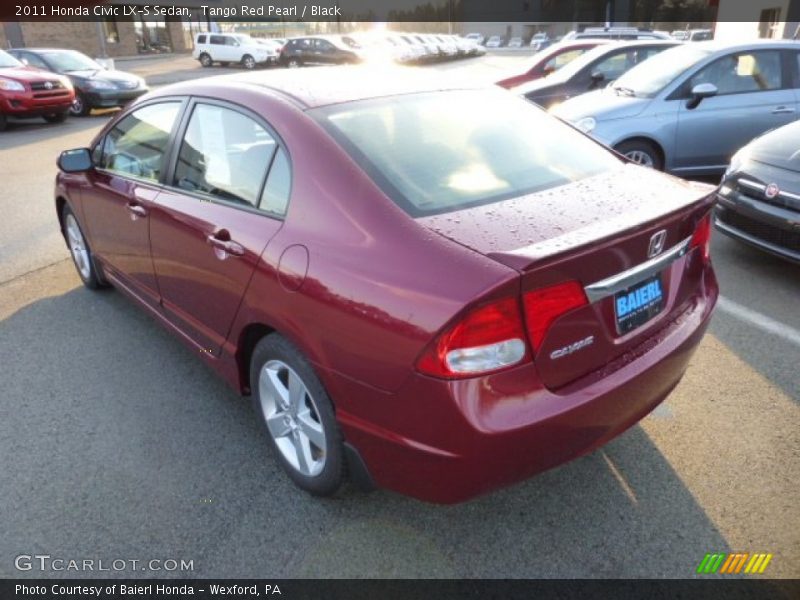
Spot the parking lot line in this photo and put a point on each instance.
(756, 319)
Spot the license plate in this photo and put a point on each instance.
(638, 304)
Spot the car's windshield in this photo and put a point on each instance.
(69, 60)
(8, 61)
(439, 152)
(649, 78)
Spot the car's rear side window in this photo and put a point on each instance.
(137, 144)
(201, 39)
(439, 152)
(224, 154)
(218, 39)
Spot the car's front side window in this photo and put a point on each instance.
(741, 73)
(137, 144)
(224, 154)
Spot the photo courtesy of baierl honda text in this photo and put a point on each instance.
(400, 298)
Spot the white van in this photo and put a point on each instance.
(226, 48)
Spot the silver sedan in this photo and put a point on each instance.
(689, 109)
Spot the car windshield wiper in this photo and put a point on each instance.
(624, 91)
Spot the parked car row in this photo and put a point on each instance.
(402, 48)
(53, 83)
(541, 40)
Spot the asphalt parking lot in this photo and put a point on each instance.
(117, 443)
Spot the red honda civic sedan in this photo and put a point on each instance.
(435, 289)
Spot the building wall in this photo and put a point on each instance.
(739, 21)
(81, 36)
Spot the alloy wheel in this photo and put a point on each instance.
(77, 106)
(641, 157)
(292, 418)
(77, 246)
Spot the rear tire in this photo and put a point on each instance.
(298, 416)
(248, 62)
(205, 60)
(642, 153)
(58, 117)
(293, 63)
(82, 258)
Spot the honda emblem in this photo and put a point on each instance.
(656, 243)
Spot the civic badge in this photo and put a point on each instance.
(771, 191)
(656, 243)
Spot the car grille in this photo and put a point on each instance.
(755, 191)
(762, 231)
(46, 86)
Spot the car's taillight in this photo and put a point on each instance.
(486, 339)
(545, 305)
(702, 237)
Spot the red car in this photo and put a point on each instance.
(550, 60)
(26, 92)
(434, 289)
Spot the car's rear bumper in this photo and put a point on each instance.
(446, 442)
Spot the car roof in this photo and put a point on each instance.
(716, 45)
(44, 50)
(313, 88)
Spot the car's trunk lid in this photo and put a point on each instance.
(589, 231)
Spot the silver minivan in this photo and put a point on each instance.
(689, 109)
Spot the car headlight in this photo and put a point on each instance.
(737, 160)
(10, 85)
(99, 84)
(586, 124)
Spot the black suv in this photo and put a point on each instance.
(318, 50)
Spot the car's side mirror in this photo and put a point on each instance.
(549, 69)
(699, 92)
(75, 161)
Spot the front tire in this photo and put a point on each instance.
(642, 153)
(205, 60)
(298, 416)
(80, 107)
(82, 256)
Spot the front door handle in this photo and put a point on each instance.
(136, 210)
(218, 240)
(783, 110)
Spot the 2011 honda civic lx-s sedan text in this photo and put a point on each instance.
(435, 289)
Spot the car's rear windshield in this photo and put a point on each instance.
(439, 152)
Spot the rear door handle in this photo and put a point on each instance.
(783, 110)
(217, 240)
(136, 209)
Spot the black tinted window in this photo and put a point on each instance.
(217, 39)
(279, 182)
(137, 144)
(201, 39)
(224, 154)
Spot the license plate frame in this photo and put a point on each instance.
(638, 304)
